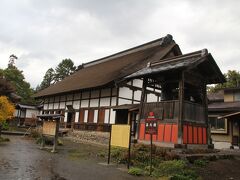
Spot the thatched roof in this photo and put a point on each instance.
(111, 68)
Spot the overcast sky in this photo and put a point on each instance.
(42, 33)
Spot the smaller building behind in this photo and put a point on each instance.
(26, 115)
(224, 116)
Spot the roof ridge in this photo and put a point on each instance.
(202, 53)
(163, 41)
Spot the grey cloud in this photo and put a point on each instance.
(44, 32)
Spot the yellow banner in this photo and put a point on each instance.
(120, 135)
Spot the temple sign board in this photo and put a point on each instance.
(49, 128)
(151, 124)
(120, 135)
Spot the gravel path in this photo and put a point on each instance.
(21, 159)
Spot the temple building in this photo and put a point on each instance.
(124, 87)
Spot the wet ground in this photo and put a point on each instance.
(21, 159)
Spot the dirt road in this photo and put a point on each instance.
(21, 159)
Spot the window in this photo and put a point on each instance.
(218, 125)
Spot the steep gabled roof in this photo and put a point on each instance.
(201, 60)
(108, 69)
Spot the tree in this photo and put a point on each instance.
(17, 79)
(48, 79)
(6, 110)
(12, 59)
(64, 69)
(6, 87)
(232, 80)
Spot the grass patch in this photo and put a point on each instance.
(135, 171)
(200, 163)
(75, 154)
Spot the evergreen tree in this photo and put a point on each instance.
(232, 80)
(17, 79)
(64, 69)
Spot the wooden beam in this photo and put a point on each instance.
(181, 109)
(143, 97)
(205, 106)
(140, 89)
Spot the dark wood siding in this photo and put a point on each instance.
(101, 115)
(81, 116)
(90, 115)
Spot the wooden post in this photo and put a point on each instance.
(151, 154)
(238, 134)
(129, 145)
(181, 108)
(56, 137)
(109, 145)
(42, 142)
(232, 122)
(205, 106)
(143, 97)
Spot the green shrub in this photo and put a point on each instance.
(5, 125)
(119, 155)
(168, 168)
(200, 162)
(34, 133)
(135, 171)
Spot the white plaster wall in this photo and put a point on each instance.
(105, 102)
(76, 116)
(125, 92)
(56, 105)
(84, 103)
(129, 82)
(23, 114)
(95, 94)
(65, 117)
(62, 105)
(137, 83)
(85, 95)
(152, 98)
(137, 95)
(76, 104)
(16, 112)
(95, 119)
(106, 92)
(112, 116)
(45, 106)
(106, 117)
(50, 106)
(94, 102)
(150, 89)
(85, 116)
(124, 101)
(69, 103)
(114, 101)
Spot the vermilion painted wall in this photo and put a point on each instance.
(169, 133)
